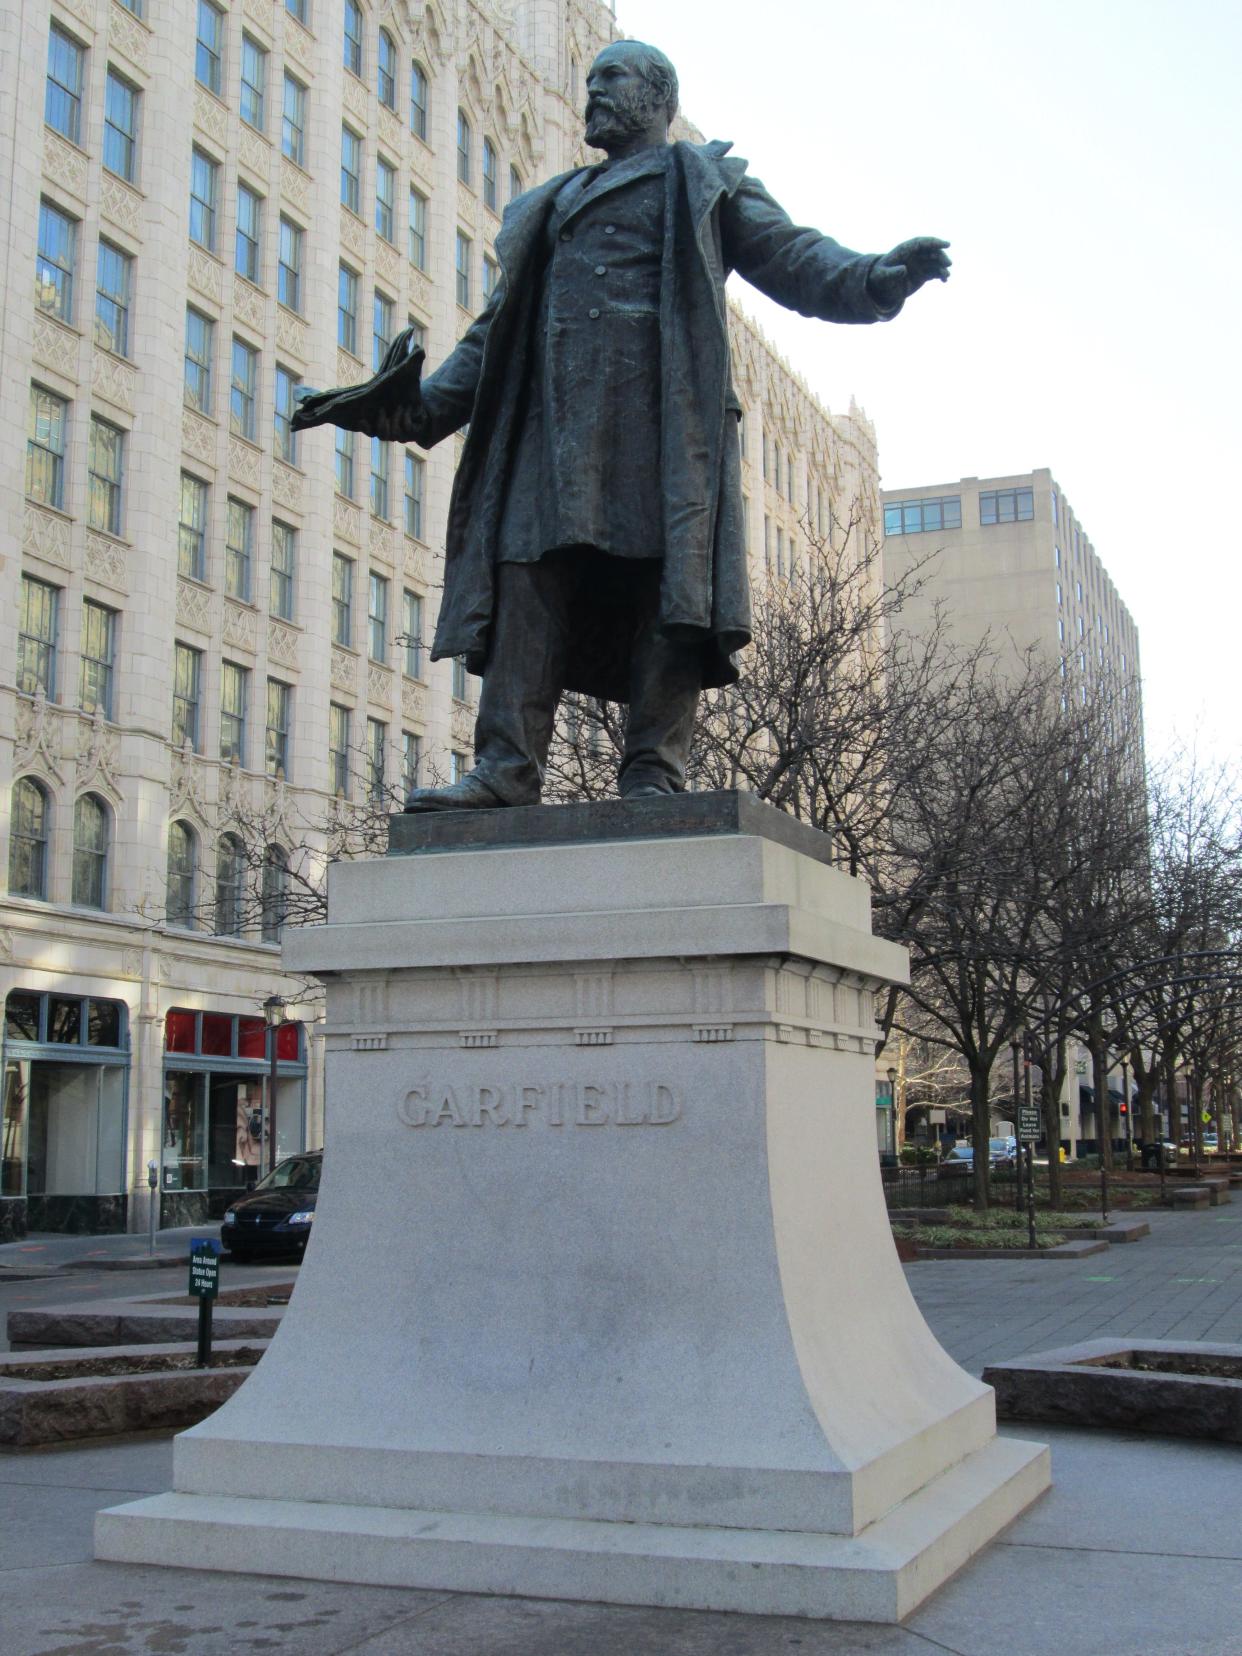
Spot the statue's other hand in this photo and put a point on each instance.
(896, 275)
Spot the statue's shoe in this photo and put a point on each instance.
(470, 794)
(646, 790)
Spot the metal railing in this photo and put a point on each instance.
(931, 1186)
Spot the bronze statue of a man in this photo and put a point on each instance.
(595, 538)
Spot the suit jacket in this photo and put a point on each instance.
(717, 219)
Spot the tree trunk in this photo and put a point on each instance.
(1172, 1113)
(1103, 1106)
(1051, 1087)
(981, 1132)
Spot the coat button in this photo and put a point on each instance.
(610, 229)
(601, 270)
(594, 315)
(567, 235)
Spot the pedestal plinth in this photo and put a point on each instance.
(602, 1301)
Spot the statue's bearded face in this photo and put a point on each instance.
(621, 102)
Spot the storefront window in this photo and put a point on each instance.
(64, 1110)
(215, 1080)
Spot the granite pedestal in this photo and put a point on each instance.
(602, 1301)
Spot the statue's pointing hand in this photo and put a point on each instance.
(896, 275)
(387, 405)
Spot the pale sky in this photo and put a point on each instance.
(1084, 158)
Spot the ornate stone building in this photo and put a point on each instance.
(211, 631)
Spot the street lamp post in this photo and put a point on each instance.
(273, 1017)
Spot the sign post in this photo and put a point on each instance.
(204, 1286)
(1028, 1132)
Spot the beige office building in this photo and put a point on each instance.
(1008, 558)
(211, 643)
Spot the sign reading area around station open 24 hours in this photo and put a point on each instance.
(204, 1270)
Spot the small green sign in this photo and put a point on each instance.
(204, 1270)
(1028, 1123)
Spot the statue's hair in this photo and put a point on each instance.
(657, 70)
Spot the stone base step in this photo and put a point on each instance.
(881, 1575)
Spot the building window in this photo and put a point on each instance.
(379, 478)
(1006, 505)
(382, 325)
(243, 393)
(192, 529)
(342, 600)
(377, 618)
(113, 273)
(386, 70)
(418, 229)
(385, 199)
(515, 184)
(90, 853)
(249, 243)
(274, 907)
(463, 270)
(37, 631)
(353, 37)
(1055, 510)
(338, 750)
(490, 168)
(45, 447)
(200, 338)
(415, 483)
(286, 406)
(234, 695)
(345, 446)
(279, 702)
(780, 551)
(916, 517)
(204, 193)
(418, 101)
(284, 560)
(457, 765)
(412, 632)
(238, 549)
(377, 741)
(289, 268)
(62, 99)
(28, 836)
(120, 134)
(230, 886)
(465, 139)
(187, 675)
(97, 657)
(253, 82)
(351, 169)
(105, 476)
(459, 678)
(293, 121)
(347, 310)
(491, 277)
(56, 261)
(209, 49)
(297, 8)
(180, 893)
(411, 760)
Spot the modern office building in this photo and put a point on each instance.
(212, 631)
(1008, 558)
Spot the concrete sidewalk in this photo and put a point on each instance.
(1136, 1551)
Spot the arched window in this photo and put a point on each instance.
(386, 71)
(90, 852)
(230, 886)
(490, 194)
(419, 100)
(515, 184)
(182, 870)
(275, 892)
(28, 833)
(465, 141)
(352, 54)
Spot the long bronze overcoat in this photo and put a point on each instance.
(717, 219)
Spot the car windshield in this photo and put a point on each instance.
(297, 1173)
(1001, 1144)
(962, 1150)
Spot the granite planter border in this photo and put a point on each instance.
(1064, 1250)
(34, 1413)
(145, 1319)
(1076, 1386)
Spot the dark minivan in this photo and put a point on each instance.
(276, 1216)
